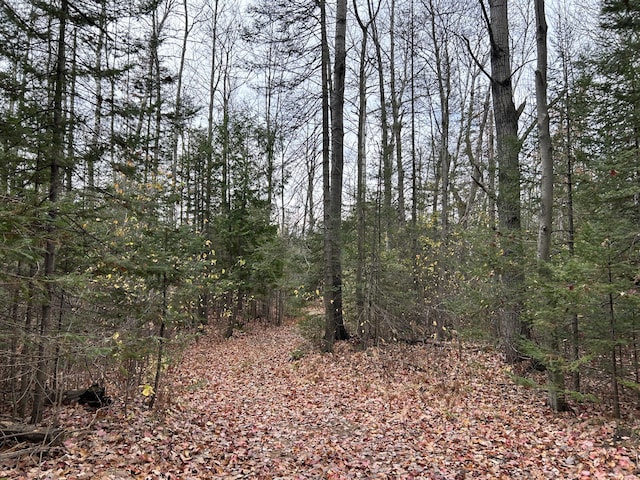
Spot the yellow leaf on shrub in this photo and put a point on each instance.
(147, 390)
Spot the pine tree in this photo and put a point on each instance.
(608, 195)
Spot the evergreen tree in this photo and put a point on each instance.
(608, 195)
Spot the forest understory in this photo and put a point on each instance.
(248, 407)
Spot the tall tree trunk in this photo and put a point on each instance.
(70, 113)
(575, 326)
(213, 87)
(271, 120)
(414, 161)
(157, 100)
(443, 74)
(56, 160)
(396, 127)
(335, 329)
(361, 171)
(178, 125)
(361, 187)
(330, 322)
(508, 149)
(544, 135)
(387, 145)
(337, 155)
(475, 155)
(96, 147)
(555, 373)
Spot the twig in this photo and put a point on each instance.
(25, 451)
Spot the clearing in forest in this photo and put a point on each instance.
(243, 408)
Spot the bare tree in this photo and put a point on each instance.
(396, 114)
(386, 141)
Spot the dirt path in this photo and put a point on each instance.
(243, 409)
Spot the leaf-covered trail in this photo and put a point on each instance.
(243, 409)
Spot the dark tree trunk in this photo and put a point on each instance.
(330, 325)
(56, 160)
(556, 397)
(508, 149)
(335, 329)
(337, 140)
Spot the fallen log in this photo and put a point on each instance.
(94, 396)
(8, 455)
(49, 436)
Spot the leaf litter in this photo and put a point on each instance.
(243, 409)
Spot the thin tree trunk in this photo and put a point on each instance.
(161, 339)
(330, 325)
(556, 396)
(25, 372)
(337, 155)
(544, 135)
(311, 151)
(474, 157)
(443, 74)
(57, 159)
(575, 326)
(396, 128)
(96, 146)
(615, 388)
(71, 113)
(157, 104)
(387, 146)
(178, 127)
(18, 340)
(414, 160)
(361, 171)
(213, 87)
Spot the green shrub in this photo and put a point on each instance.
(311, 328)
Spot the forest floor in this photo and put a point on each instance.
(244, 409)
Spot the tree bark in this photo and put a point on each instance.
(214, 79)
(335, 329)
(556, 396)
(508, 149)
(97, 112)
(566, 121)
(20, 432)
(414, 160)
(544, 137)
(396, 128)
(178, 123)
(330, 325)
(337, 151)
(361, 171)
(387, 146)
(56, 160)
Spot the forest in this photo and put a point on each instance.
(421, 205)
